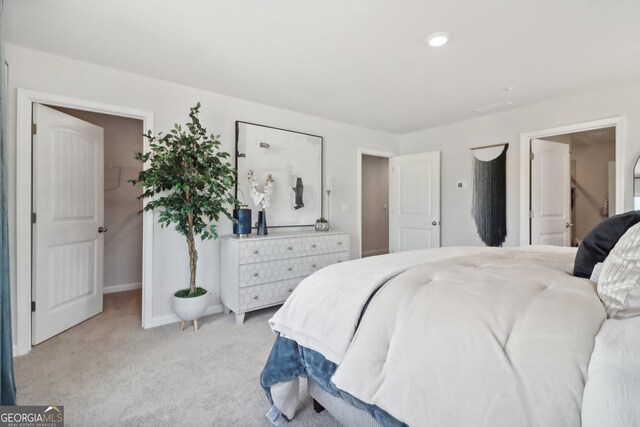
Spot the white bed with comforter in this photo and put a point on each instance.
(465, 336)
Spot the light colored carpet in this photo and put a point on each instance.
(109, 371)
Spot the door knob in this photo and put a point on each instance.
(434, 223)
(102, 229)
(569, 225)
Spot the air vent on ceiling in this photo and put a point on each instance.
(494, 107)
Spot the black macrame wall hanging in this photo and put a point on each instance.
(490, 193)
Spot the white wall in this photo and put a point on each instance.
(123, 240)
(454, 141)
(375, 205)
(170, 102)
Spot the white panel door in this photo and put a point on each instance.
(67, 236)
(550, 193)
(414, 198)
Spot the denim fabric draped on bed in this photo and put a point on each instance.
(7, 384)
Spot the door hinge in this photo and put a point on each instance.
(34, 217)
(530, 214)
(34, 128)
(531, 156)
(33, 306)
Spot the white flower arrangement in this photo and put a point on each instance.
(261, 198)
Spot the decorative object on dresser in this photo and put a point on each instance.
(259, 272)
(188, 179)
(261, 199)
(293, 160)
(322, 224)
(328, 190)
(242, 218)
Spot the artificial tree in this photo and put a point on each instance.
(189, 180)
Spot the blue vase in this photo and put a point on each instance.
(242, 226)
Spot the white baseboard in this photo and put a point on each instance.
(172, 318)
(121, 288)
(375, 252)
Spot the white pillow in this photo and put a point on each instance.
(619, 281)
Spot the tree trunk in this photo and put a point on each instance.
(193, 256)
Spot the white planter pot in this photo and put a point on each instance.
(190, 308)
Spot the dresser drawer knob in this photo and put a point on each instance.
(313, 266)
(290, 248)
(313, 245)
(339, 243)
(289, 290)
(255, 274)
(255, 252)
(255, 297)
(289, 269)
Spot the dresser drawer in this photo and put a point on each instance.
(311, 264)
(252, 251)
(252, 297)
(271, 271)
(322, 244)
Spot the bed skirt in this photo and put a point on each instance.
(346, 414)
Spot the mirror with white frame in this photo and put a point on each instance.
(636, 186)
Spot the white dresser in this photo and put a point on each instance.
(261, 271)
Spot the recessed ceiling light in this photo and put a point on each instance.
(437, 39)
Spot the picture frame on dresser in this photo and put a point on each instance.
(262, 271)
(293, 159)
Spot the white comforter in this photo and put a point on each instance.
(468, 336)
(499, 339)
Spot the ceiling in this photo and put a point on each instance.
(594, 136)
(362, 62)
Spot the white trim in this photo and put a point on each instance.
(525, 165)
(368, 152)
(375, 252)
(172, 318)
(25, 100)
(121, 288)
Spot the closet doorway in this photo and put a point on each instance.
(592, 181)
(374, 205)
(26, 171)
(88, 240)
(571, 180)
(398, 201)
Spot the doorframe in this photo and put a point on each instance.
(525, 165)
(368, 152)
(24, 172)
